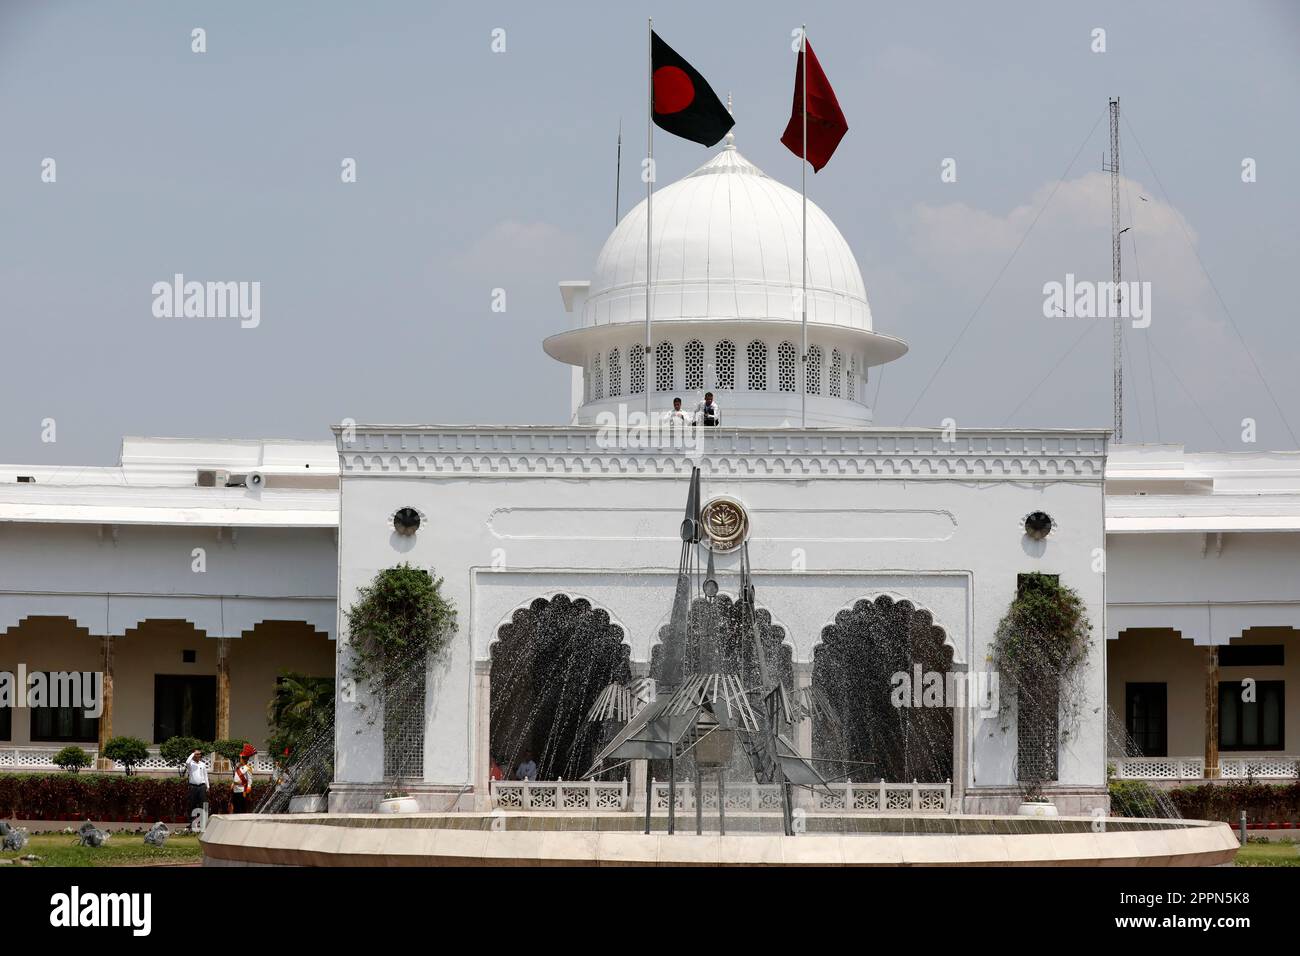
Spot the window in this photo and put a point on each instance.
(6, 723)
(851, 380)
(597, 379)
(785, 377)
(615, 373)
(64, 724)
(1251, 655)
(814, 370)
(837, 371)
(1254, 725)
(1037, 712)
(184, 707)
(724, 357)
(756, 354)
(694, 364)
(664, 367)
(1146, 709)
(636, 369)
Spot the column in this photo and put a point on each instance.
(223, 697)
(969, 701)
(803, 678)
(636, 779)
(106, 717)
(1211, 713)
(482, 764)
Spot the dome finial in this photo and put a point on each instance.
(731, 135)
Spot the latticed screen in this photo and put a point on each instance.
(694, 364)
(636, 369)
(814, 370)
(404, 729)
(615, 373)
(757, 360)
(597, 379)
(664, 367)
(837, 370)
(786, 379)
(851, 380)
(724, 357)
(1037, 731)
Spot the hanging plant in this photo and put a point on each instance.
(1037, 651)
(396, 623)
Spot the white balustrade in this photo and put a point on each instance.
(559, 795)
(37, 758)
(846, 796)
(1193, 768)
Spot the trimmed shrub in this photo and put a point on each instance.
(176, 750)
(71, 758)
(128, 751)
(230, 749)
(106, 797)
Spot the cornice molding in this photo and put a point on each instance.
(1049, 455)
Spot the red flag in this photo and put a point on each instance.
(826, 124)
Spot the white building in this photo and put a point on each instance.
(193, 589)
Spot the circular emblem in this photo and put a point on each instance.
(726, 523)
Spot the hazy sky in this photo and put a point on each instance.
(478, 170)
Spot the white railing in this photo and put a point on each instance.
(847, 797)
(1193, 768)
(559, 795)
(39, 758)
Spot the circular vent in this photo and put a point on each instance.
(406, 521)
(1038, 525)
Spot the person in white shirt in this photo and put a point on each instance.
(528, 769)
(706, 412)
(677, 418)
(196, 772)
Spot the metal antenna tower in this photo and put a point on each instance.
(1117, 338)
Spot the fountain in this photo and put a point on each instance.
(717, 707)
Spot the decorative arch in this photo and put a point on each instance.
(814, 371)
(664, 377)
(693, 360)
(756, 362)
(724, 365)
(549, 662)
(879, 731)
(785, 368)
(615, 373)
(636, 369)
(735, 644)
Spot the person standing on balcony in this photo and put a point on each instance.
(706, 412)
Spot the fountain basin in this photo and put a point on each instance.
(614, 839)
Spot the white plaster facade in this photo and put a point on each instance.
(837, 516)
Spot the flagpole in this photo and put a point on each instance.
(803, 185)
(649, 200)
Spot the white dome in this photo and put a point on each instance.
(726, 247)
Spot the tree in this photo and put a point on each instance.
(178, 749)
(71, 759)
(128, 751)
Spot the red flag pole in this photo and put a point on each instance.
(649, 198)
(803, 171)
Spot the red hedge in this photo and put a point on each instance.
(105, 797)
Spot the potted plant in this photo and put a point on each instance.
(1037, 651)
(397, 623)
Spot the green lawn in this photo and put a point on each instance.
(1269, 854)
(124, 849)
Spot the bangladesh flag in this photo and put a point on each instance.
(684, 104)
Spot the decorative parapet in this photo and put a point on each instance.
(986, 455)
